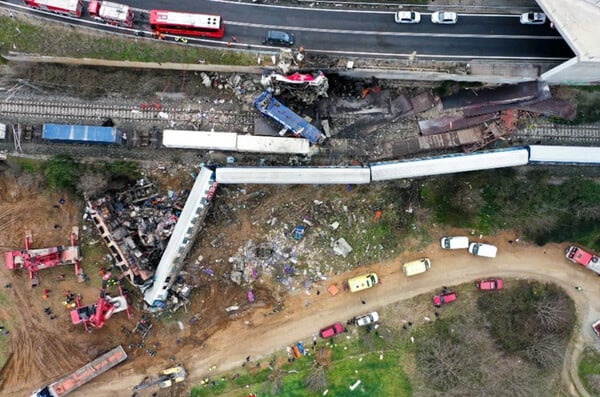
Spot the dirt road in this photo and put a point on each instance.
(304, 314)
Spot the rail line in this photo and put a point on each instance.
(76, 112)
(583, 133)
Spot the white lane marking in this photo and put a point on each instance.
(341, 10)
(402, 34)
(420, 55)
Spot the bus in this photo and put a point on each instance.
(186, 24)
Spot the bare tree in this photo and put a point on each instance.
(274, 383)
(546, 351)
(92, 184)
(552, 314)
(316, 381)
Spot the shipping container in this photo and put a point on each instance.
(81, 133)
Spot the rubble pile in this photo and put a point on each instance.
(302, 244)
(136, 225)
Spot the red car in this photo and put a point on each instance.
(491, 284)
(332, 330)
(446, 297)
(596, 328)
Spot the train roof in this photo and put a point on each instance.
(293, 175)
(564, 154)
(449, 164)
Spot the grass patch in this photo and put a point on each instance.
(544, 210)
(47, 38)
(30, 166)
(589, 370)
(349, 360)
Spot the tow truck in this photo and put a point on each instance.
(96, 314)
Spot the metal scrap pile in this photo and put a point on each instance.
(136, 225)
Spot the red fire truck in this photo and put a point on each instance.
(186, 24)
(111, 13)
(67, 7)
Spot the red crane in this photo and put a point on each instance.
(34, 260)
(96, 314)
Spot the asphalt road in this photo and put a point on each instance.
(343, 32)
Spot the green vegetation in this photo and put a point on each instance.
(530, 319)
(61, 173)
(333, 366)
(545, 210)
(459, 354)
(589, 370)
(124, 169)
(55, 40)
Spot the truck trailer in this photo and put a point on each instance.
(83, 375)
(67, 7)
(111, 13)
(583, 258)
(81, 133)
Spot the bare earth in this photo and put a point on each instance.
(44, 349)
(267, 334)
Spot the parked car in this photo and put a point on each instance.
(480, 249)
(444, 17)
(407, 17)
(416, 267)
(332, 330)
(366, 319)
(443, 298)
(533, 18)
(453, 243)
(365, 281)
(279, 37)
(596, 328)
(300, 347)
(491, 284)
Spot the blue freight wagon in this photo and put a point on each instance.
(272, 108)
(81, 133)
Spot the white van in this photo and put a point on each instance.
(416, 267)
(454, 243)
(481, 249)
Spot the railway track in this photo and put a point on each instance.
(549, 133)
(145, 113)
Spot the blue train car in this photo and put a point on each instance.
(272, 108)
(81, 133)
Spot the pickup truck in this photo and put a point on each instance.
(443, 298)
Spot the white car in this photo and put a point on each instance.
(480, 249)
(407, 17)
(533, 18)
(366, 319)
(453, 243)
(444, 17)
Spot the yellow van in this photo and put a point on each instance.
(416, 267)
(360, 283)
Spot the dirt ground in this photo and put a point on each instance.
(43, 349)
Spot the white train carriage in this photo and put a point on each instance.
(203, 140)
(449, 164)
(294, 175)
(270, 144)
(575, 155)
